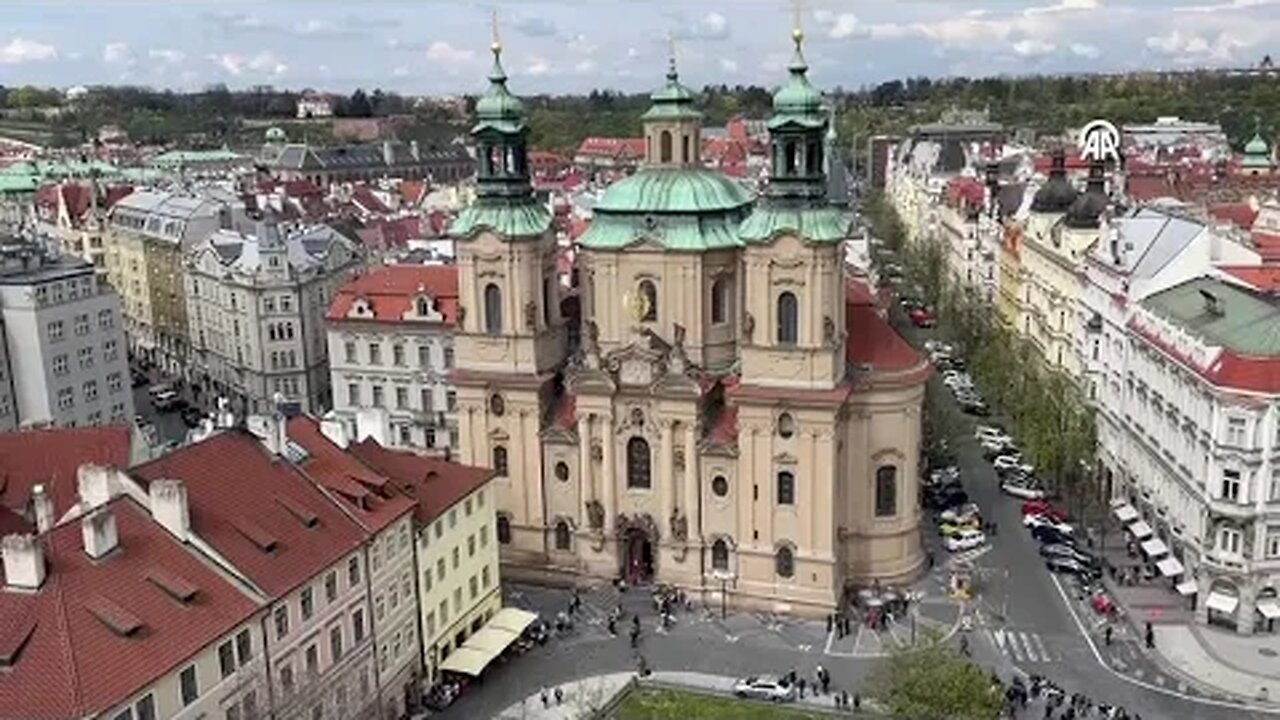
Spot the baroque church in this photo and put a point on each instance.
(732, 417)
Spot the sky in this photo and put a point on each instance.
(425, 47)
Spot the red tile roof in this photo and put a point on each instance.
(1267, 245)
(51, 457)
(358, 488)
(242, 499)
(1241, 215)
(1229, 370)
(1262, 277)
(435, 483)
(391, 290)
(873, 343)
(412, 192)
(364, 198)
(72, 663)
(612, 147)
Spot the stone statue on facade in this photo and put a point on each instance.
(462, 314)
(591, 346)
(828, 330)
(679, 525)
(677, 358)
(595, 515)
(531, 315)
(748, 325)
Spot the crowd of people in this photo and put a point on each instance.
(1058, 704)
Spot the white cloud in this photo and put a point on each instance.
(173, 57)
(633, 53)
(21, 50)
(712, 26)
(580, 45)
(584, 66)
(537, 66)
(1033, 48)
(1085, 50)
(262, 63)
(1225, 6)
(400, 71)
(117, 53)
(1065, 6)
(846, 24)
(1189, 47)
(728, 65)
(441, 51)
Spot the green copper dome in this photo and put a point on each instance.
(674, 190)
(797, 101)
(499, 109)
(1257, 153)
(672, 101)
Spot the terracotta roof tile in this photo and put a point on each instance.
(392, 289)
(435, 483)
(72, 662)
(1262, 277)
(1241, 215)
(51, 457)
(347, 478)
(231, 486)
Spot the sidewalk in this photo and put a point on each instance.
(584, 699)
(1212, 658)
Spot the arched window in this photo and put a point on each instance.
(812, 159)
(719, 300)
(786, 488)
(720, 555)
(791, 156)
(492, 309)
(886, 491)
(649, 292)
(684, 149)
(637, 462)
(504, 530)
(500, 460)
(664, 145)
(562, 535)
(785, 562)
(788, 319)
(424, 306)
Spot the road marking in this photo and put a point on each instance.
(731, 638)
(805, 648)
(1097, 655)
(831, 636)
(1026, 644)
(1044, 653)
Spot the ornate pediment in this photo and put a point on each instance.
(637, 366)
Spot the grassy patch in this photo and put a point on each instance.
(654, 704)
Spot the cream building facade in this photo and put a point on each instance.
(718, 428)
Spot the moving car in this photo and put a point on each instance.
(167, 400)
(764, 688)
(964, 540)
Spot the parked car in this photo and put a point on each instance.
(975, 406)
(1010, 463)
(964, 540)
(961, 512)
(1043, 507)
(950, 528)
(1070, 552)
(1034, 521)
(946, 498)
(191, 416)
(921, 318)
(1023, 488)
(167, 401)
(1049, 535)
(764, 688)
(1071, 567)
(991, 433)
(159, 389)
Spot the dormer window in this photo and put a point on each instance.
(424, 305)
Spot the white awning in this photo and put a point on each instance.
(1170, 567)
(468, 661)
(1269, 608)
(1140, 529)
(1154, 548)
(489, 642)
(1187, 587)
(1117, 502)
(513, 620)
(1125, 513)
(1222, 603)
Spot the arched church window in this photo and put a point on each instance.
(719, 300)
(638, 463)
(886, 491)
(562, 535)
(664, 144)
(649, 292)
(720, 555)
(424, 306)
(500, 460)
(788, 319)
(492, 309)
(684, 149)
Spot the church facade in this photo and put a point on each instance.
(732, 417)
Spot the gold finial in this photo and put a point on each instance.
(496, 46)
(797, 12)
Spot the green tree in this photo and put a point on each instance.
(934, 681)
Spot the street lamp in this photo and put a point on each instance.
(724, 578)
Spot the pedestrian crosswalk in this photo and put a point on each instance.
(968, 556)
(1020, 646)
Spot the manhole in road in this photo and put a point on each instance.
(1267, 652)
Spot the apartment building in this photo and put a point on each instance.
(390, 336)
(1196, 457)
(63, 343)
(257, 306)
(456, 548)
(148, 232)
(386, 515)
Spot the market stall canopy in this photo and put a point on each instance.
(468, 661)
(1155, 547)
(1140, 529)
(1170, 567)
(489, 642)
(1269, 608)
(1125, 513)
(1222, 603)
(1187, 587)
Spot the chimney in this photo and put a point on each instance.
(388, 153)
(372, 423)
(99, 530)
(23, 562)
(336, 431)
(414, 151)
(169, 507)
(93, 483)
(42, 509)
(270, 429)
(1212, 305)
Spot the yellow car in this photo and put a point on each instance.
(947, 529)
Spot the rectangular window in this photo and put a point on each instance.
(431, 624)
(349, 349)
(484, 536)
(427, 399)
(1236, 432)
(353, 394)
(426, 581)
(282, 621)
(440, 570)
(106, 319)
(312, 659)
(308, 604)
(335, 643)
(451, 400)
(145, 709)
(377, 396)
(444, 612)
(375, 353)
(86, 357)
(1229, 541)
(1231, 485)
(448, 358)
(110, 351)
(424, 356)
(82, 324)
(466, 507)
(286, 303)
(286, 678)
(457, 601)
(91, 390)
(60, 365)
(244, 646)
(456, 557)
(484, 577)
(353, 571)
(1273, 542)
(114, 382)
(226, 659)
(471, 546)
(331, 586)
(357, 625)
(397, 355)
(1275, 485)
(189, 685)
(402, 398)
(474, 586)
(66, 398)
(453, 518)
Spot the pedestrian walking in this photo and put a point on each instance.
(635, 637)
(559, 696)
(800, 686)
(830, 622)
(1151, 636)
(545, 702)
(857, 701)
(1107, 636)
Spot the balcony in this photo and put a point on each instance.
(1222, 507)
(430, 418)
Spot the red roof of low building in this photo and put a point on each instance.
(261, 514)
(1267, 245)
(391, 291)
(1229, 370)
(872, 342)
(435, 483)
(362, 491)
(301, 188)
(1241, 215)
(51, 458)
(612, 147)
(69, 660)
(114, 194)
(412, 192)
(1261, 277)
(363, 198)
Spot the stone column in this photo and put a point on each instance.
(607, 482)
(666, 479)
(586, 485)
(691, 483)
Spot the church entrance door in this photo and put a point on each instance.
(638, 557)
